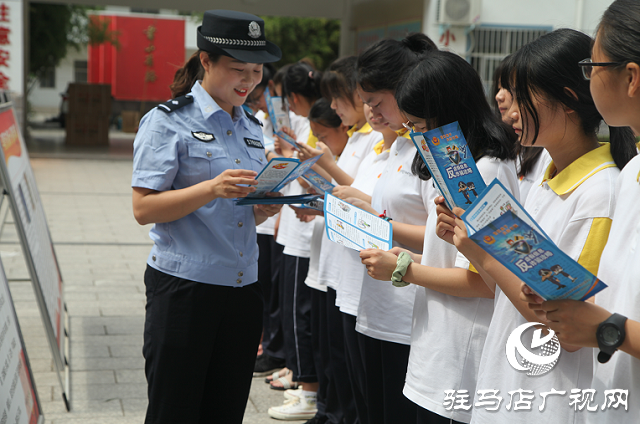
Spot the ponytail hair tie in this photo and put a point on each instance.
(311, 74)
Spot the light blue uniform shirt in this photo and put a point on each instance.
(216, 244)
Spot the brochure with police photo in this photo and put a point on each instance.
(355, 228)
(279, 116)
(536, 260)
(274, 177)
(445, 152)
(319, 183)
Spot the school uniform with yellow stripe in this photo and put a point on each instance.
(575, 208)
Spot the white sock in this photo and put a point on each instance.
(308, 395)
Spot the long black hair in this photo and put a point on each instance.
(384, 64)
(444, 88)
(339, 80)
(547, 67)
(302, 78)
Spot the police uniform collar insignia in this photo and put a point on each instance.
(254, 30)
(253, 143)
(203, 136)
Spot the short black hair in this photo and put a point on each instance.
(321, 113)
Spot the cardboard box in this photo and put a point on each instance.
(92, 99)
(130, 121)
(87, 130)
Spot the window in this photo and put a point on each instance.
(491, 45)
(48, 78)
(80, 71)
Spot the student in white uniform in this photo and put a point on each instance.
(331, 131)
(301, 87)
(574, 206)
(452, 309)
(385, 312)
(340, 87)
(531, 161)
(269, 260)
(613, 323)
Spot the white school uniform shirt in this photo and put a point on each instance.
(620, 270)
(359, 144)
(575, 210)
(535, 176)
(448, 332)
(352, 271)
(268, 226)
(294, 234)
(385, 311)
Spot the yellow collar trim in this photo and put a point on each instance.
(379, 148)
(366, 129)
(579, 170)
(404, 133)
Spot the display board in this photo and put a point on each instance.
(18, 181)
(19, 402)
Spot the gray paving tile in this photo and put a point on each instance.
(131, 376)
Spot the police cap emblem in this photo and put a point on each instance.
(254, 30)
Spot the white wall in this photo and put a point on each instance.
(583, 15)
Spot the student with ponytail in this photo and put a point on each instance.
(613, 322)
(191, 161)
(452, 307)
(384, 312)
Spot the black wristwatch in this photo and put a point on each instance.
(610, 335)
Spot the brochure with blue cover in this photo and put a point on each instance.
(278, 173)
(445, 152)
(536, 260)
(493, 202)
(279, 116)
(318, 181)
(355, 228)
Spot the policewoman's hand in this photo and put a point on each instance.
(230, 183)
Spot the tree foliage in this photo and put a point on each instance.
(53, 29)
(317, 39)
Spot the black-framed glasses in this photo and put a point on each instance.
(587, 66)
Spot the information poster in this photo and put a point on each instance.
(31, 224)
(18, 399)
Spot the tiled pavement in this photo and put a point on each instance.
(102, 253)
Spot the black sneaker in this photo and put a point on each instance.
(317, 420)
(267, 365)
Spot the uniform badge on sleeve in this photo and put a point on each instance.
(203, 136)
(253, 143)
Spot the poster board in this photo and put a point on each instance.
(18, 181)
(19, 402)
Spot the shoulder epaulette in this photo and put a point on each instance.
(253, 118)
(175, 104)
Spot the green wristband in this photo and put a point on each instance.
(404, 260)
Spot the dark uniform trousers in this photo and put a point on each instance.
(200, 343)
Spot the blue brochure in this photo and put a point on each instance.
(278, 173)
(279, 200)
(355, 228)
(279, 116)
(318, 181)
(493, 202)
(445, 152)
(536, 260)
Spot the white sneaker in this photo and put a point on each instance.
(301, 408)
(292, 393)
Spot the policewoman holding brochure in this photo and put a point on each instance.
(193, 156)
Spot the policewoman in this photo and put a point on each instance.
(193, 156)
